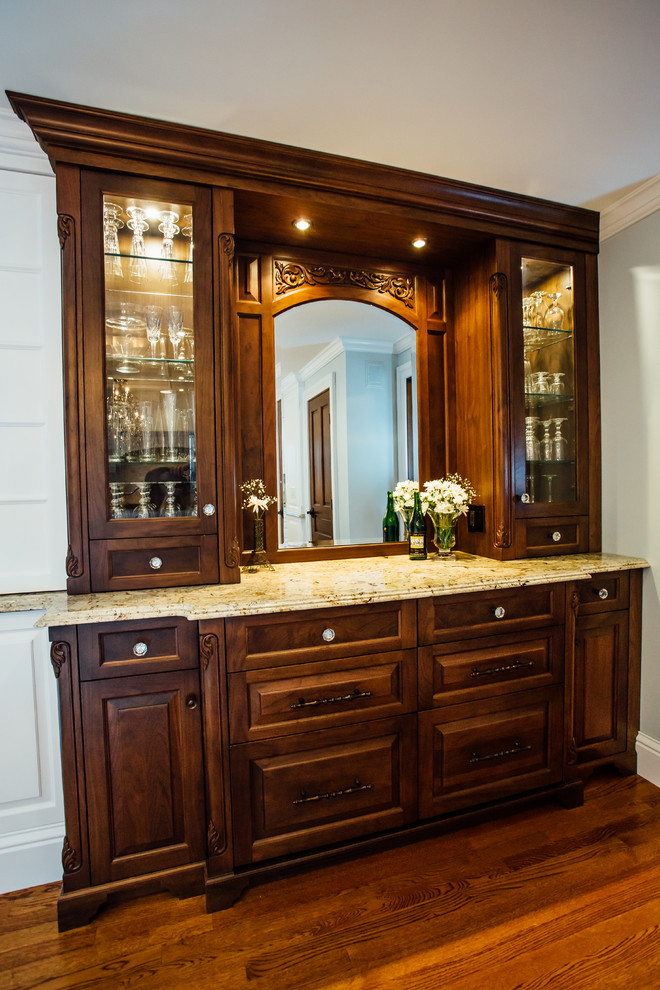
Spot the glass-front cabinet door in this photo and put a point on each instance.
(149, 358)
(549, 398)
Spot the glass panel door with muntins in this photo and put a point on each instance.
(149, 358)
(549, 382)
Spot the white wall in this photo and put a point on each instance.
(32, 508)
(629, 279)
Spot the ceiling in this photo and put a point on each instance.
(552, 98)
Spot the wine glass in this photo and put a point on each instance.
(187, 231)
(556, 386)
(546, 440)
(152, 320)
(532, 446)
(169, 230)
(554, 317)
(137, 266)
(175, 330)
(538, 312)
(112, 222)
(169, 419)
(559, 441)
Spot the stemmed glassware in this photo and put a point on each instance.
(152, 319)
(554, 317)
(559, 441)
(168, 228)
(538, 311)
(187, 231)
(137, 266)
(532, 446)
(546, 440)
(169, 419)
(175, 329)
(112, 222)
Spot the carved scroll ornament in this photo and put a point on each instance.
(59, 655)
(289, 276)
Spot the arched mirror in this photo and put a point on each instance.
(346, 391)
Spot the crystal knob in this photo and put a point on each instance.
(499, 612)
(556, 536)
(524, 498)
(155, 563)
(328, 635)
(208, 509)
(140, 649)
(603, 593)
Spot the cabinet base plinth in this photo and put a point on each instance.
(78, 907)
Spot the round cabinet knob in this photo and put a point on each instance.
(140, 649)
(208, 509)
(328, 635)
(603, 593)
(556, 536)
(191, 702)
(524, 498)
(499, 612)
(155, 563)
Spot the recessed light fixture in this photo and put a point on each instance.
(419, 242)
(302, 223)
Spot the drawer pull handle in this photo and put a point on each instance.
(328, 635)
(357, 786)
(516, 665)
(140, 649)
(499, 612)
(602, 593)
(191, 702)
(155, 563)
(301, 703)
(517, 748)
(556, 536)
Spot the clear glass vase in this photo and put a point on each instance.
(444, 533)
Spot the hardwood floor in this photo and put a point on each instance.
(565, 899)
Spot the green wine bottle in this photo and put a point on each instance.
(390, 522)
(417, 532)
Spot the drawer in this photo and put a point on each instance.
(121, 565)
(473, 753)
(563, 534)
(281, 700)
(304, 792)
(120, 649)
(484, 613)
(450, 673)
(261, 641)
(604, 592)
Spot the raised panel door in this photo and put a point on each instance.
(600, 686)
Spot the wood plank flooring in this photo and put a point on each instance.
(549, 897)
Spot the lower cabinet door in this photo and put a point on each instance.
(600, 688)
(302, 792)
(143, 768)
(472, 753)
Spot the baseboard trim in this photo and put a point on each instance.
(29, 859)
(648, 758)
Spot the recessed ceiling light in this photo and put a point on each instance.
(302, 223)
(419, 242)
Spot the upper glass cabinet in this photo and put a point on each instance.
(150, 358)
(549, 382)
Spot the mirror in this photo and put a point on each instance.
(346, 389)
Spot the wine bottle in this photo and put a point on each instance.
(390, 522)
(417, 532)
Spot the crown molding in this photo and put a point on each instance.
(19, 151)
(629, 209)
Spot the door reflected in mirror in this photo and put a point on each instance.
(346, 387)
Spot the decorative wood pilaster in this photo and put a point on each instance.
(499, 324)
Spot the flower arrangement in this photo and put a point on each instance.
(404, 501)
(257, 501)
(444, 500)
(255, 498)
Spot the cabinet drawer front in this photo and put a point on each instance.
(604, 592)
(454, 616)
(456, 672)
(321, 634)
(122, 565)
(119, 649)
(560, 535)
(503, 748)
(282, 700)
(298, 793)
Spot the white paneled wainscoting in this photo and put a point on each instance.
(31, 802)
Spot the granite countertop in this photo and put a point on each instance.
(292, 587)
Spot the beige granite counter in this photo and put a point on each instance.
(291, 587)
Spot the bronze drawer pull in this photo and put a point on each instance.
(357, 786)
(516, 665)
(332, 701)
(517, 748)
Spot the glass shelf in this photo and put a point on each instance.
(149, 257)
(542, 398)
